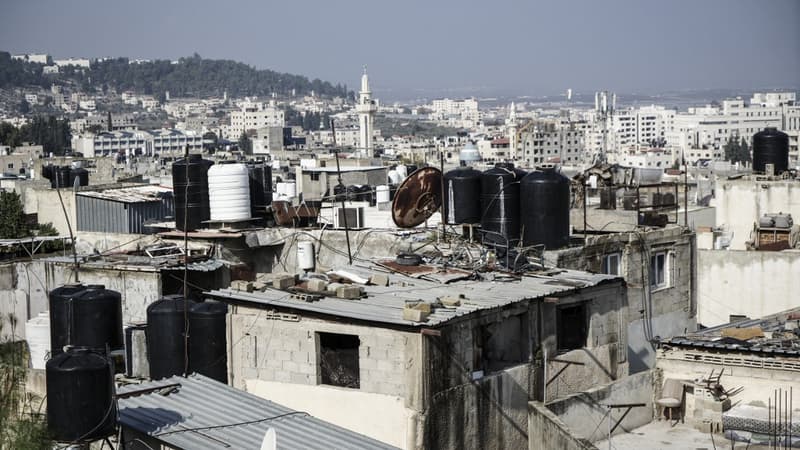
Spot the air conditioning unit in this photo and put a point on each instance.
(355, 217)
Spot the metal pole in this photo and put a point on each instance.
(685, 191)
(443, 209)
(186, 265)
(585, 194)
(344, 211)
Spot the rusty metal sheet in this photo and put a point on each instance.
(412, 271)
(417, 198)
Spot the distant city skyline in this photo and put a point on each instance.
(417, 48)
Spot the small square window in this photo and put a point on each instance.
(659, 270)
(315, 176)
(338, 360)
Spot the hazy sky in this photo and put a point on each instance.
(524, 47)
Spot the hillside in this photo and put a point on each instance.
(191, 76)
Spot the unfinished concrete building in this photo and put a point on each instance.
(419, 363)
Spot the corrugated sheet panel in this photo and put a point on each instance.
(204, 413)
(108, 216)
(385, 304)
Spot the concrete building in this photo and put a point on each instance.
(366, 109)
(458, 113)
(268, 140)
(38, 58)
(552, 144)
(659, 266)
(460, 376)
(253, 117)
(317, 182)
(136, 142)
(77, 62)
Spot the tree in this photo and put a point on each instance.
(24, 107)
(245, 144)
(737, 151)
(744, 151)
(12, 216)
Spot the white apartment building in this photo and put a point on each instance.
(253, 117)
(653, 158)
(134, 142)
(463, 113)
(557, 142)
(38, 58)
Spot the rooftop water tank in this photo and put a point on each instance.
(770, 146)
(260, 186)
(80, 174)
(545, 201)
(208, 350)
(166, 328)
(85, 316)
(469, 154)
(462, 187)
(383, 194)
(229, 192)
(500, 205)
(191, 193)
(305, 255)
(80, 393)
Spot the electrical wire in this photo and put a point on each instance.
(236, 424)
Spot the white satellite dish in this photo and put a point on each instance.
(270, 441)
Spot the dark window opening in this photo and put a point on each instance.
(314, 177)
(572, 326)
(338, 359)
(499, 345)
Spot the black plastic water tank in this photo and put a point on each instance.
(81, 174)
(60, 178)
(80, 392)
(208, 351)
(545, 202)
(462, 187)
(191, 193)
(260, 186)
(165, 331)
(85, 316)
(770, 146)
(500, 205)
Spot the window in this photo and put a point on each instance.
(611, 264)
(338, 359)
(314, 176)
(572, 327)
(659, 270)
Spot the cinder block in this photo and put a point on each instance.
(419, 305)
(332, 287)
(283, 355)
(290, 366)
(299, 378)
(415, 315)
(450, 301)
(283, 377)
(259, 286)
(242, 285)
(379, 279)
(349, 292)
(284, 281)
(317, 285)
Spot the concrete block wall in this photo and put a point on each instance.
(589, 407)
(546, 431)
(288, 351)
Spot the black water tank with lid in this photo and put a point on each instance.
(191, 193)
(545, 202)
(80, 396)
(500, 205)
(462, 189)
(79, 173)
(166, 328)
(208, 350)
(85, 316)
(60, 177)
(770, 146)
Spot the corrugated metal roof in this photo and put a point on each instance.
(135, 194)
(385, 304)
(204, 413)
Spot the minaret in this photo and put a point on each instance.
(366, 112)
(511, 124)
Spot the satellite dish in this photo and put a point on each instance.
(417, 198)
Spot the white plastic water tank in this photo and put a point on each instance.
(382, 194)
(37, 333)
(402, 170)
(305, 255)
(394, 177)
(291, 189)
(229, 192)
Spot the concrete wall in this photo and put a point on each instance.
(750, 283)
(650, 313)
(548, 432)
(740, 203)
(281, 355)
(382, 417)
(586, 413)
(45, 202)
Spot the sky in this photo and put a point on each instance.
(436, 47)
